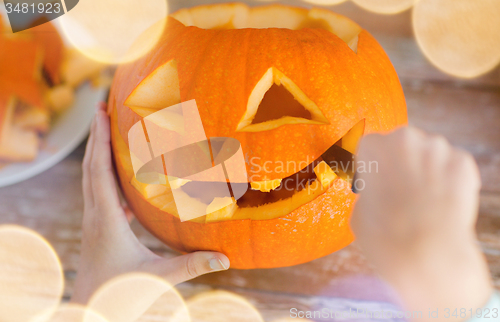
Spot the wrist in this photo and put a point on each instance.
(452, 277)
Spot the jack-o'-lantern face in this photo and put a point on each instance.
(287, 83)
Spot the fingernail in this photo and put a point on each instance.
(217, 265)
(354, 186)
(97, 107)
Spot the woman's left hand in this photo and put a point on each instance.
(109, 247)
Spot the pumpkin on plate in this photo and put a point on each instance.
(287, 83)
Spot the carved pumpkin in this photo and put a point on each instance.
(286, 82)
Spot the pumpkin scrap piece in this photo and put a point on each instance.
(31, 117)
(59, 98)
(16, 144)
(77, 68)
(20, 69)
(46, 36)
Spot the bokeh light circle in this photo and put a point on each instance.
(290, 319)
(460, 37)
(325, 2)
(75, 313)
(221, 306)
(31, 277)
(105, 30)
(385, 6)
(138, 297)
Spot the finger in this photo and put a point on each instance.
(187, 267)
(470, 168)
(86, 185)
(101, 170)
(128, 214)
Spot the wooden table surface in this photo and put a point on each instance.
(467, 112)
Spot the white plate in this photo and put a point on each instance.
(65, 135)
(68, 131)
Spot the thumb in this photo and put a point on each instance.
(186, 267)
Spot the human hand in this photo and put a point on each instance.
(109, 247)
(415, 221)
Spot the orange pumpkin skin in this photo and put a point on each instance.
(347, 87)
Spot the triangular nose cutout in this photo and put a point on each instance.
(276, 101)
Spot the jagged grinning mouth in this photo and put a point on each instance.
(288, 186)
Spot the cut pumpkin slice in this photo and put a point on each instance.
(59, 98)
(77, 68)
(29, 117)
(51, 43)
(16, 144)
(20, 69)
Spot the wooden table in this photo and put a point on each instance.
(466, 112)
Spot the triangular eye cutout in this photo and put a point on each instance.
(159, 90)
(276, 101)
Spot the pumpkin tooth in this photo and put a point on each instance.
(350, 141)
(176, 183)
(221, 209)
(325, 174)
(265, 186)
(148, 190)
(165, 202)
